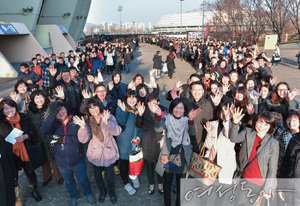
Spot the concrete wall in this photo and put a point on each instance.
(12, 11)
(54, 12)
(79, 19)
(6, 68)
(52, 36)
(20, 47)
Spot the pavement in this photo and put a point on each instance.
(57, 195)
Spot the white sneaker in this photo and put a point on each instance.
(129, 189)
(136, 183)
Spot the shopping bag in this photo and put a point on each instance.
(100, 77)
(201, 166)
(136, 161)
(165, 68)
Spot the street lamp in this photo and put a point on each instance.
(120, 8)
(181, 15)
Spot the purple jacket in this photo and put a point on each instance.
(100, 153)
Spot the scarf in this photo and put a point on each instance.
(96, 128)
(177, 129)
(134, 111)
(18, 148)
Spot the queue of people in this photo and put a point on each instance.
(232, 105)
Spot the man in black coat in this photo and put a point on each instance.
(30, 77)
(67, 90)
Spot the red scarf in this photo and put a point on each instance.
(19, 148)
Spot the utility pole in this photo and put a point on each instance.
(120, 8)
(181, 15)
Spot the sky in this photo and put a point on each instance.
(137, 10)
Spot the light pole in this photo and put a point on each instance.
(120, 8)
(181, 15)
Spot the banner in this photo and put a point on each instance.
(270, 42)
(195, 35)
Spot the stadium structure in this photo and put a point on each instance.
(38, 26)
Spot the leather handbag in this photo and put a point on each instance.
(201, 166)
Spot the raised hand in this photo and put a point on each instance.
(225, 89)
(254, 98)
(52, 70)
(121, 105)
(250, 108)
(217, 98)
(151, 72)
(131, 85)
(105, 116)
(177, 85)
(194, 113)
(86, 94)
(175, 94)
(209, 127)
(60, 92)
(237, 115)
(153, 84)
(79, 121)
(14, 96)
(141, 108)
(227, 111)
(110, 85)
(155, 109)
(294, 93)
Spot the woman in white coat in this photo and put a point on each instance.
(218, 142)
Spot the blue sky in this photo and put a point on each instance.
(137, 10)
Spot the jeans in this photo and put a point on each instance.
(127, 68)
(80, 172)
(109, 178)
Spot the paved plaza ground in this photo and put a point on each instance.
(57, 195)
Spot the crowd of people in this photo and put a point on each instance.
(232, 105)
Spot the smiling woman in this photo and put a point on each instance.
(258, 156)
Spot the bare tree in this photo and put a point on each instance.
(239, 20)
(293, 8)
(277, 14)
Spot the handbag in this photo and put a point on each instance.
(164, 68)
(276, 58)
(174, 160)
(204, 167)
(37, 154)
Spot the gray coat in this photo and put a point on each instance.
(267, 159)
(159, 127)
